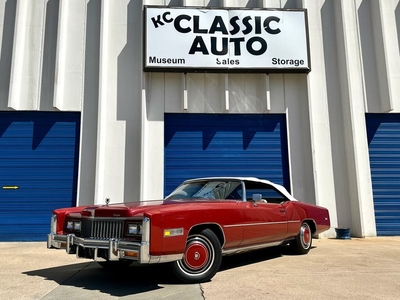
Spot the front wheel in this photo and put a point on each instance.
(201, 260)
(303, 241)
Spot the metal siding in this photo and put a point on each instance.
(39, 155)
(198, 145)
(383, 132)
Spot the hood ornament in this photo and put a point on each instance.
(107, 201)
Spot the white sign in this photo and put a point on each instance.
(201, 39)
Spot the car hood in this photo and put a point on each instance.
(130, 209)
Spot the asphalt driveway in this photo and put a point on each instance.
(334, 269)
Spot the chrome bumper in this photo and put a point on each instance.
(116, 248)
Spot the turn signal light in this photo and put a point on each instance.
(131, 254)
(173, 232)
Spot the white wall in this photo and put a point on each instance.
(74, 55)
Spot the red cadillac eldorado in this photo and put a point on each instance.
(199, 222)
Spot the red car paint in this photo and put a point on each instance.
(237, 221)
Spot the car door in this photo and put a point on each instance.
(264, 220)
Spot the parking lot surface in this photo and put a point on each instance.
(366, 268)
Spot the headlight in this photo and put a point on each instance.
(134, 229)
(70, 225)
(77, 225)
(73, 225)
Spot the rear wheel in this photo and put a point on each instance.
(303, 241)
(201, 260)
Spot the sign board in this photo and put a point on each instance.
(225, 40)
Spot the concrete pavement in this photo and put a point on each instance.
(334, 269)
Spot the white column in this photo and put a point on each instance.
(119, 152)
(272, 3)
(321, 151)
(89, 113)
(386, 32)
(153, 108)
(70, 60)
(355, 135)
(194, 3)
(7, 21)
(100, 194)
(152, 122)
(26, 69)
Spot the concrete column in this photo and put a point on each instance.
(199, 3)
(70, 61)
(388, 51)
(7, 28)
(355, 136)
(115, 98)
(100, 193)
(26, 70)
(120, 102)
(271, 3)
(153, 107)
(89, 113)
(321, 152)
(152, 130)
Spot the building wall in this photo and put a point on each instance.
(74, 55)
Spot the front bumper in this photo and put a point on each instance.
(115, 249)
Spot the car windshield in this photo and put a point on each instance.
(209, 189)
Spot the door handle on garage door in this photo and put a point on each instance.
(8, 187)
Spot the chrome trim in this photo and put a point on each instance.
(112, 250)
(51, 243)
(145, 245)
(53, 227)
(255, 224)
(116, 247)
(214, 224)
(250, 248)
(96, 255)
(110, 218)
(313, 221)
(115, 218)
(169, 258)
(70, 242)
(112, 228)
(244, 198)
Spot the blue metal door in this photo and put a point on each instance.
(38, 171)
(201, 145)
(383, 132)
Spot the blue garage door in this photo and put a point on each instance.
(384, 151)
(38, 171)
(199, 145)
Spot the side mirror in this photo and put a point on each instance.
(256, 197)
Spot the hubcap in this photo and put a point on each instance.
(305, 236)
(196, 255)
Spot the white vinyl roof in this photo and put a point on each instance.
(279, 187)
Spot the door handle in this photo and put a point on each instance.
(282, 210)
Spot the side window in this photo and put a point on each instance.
(268, 193)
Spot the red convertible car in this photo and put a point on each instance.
(199, 222)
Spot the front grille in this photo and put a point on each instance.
(107, 229)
